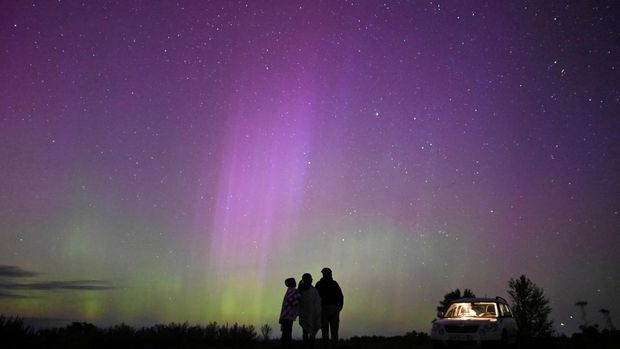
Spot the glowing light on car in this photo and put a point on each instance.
(472, 310)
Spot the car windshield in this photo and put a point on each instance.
(472, 310)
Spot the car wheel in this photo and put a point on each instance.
(505, 340)
(514, 340)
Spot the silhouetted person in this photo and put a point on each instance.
(332, 302)
(309, 310)
(289, 312)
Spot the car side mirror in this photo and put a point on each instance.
(440, 314)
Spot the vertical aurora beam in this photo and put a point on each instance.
(261, 168)
(264, 161)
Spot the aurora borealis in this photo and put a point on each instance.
(176, 161)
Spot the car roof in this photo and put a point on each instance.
(476, 300)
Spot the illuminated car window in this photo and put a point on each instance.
(505, 310)
(472, 310)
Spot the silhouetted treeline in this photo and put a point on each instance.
(14, 333)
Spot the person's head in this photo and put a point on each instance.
(327, 273)
(290, 282)
(307, 278)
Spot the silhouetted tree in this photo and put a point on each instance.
(452, 296)
(610, 324)
(582, 305)
(13, 329)
(265, 331)
(530, 308)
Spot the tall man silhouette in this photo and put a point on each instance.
(332, 302)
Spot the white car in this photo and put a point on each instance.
(474, 322)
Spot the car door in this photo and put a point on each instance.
(509, 321)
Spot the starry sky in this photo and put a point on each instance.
(177, 160)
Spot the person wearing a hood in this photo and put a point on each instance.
(309, 310)
(289, 312)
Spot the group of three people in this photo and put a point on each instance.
(317, 307)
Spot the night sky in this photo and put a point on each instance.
(176, 161)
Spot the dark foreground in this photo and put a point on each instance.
(15, 334)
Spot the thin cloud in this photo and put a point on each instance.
(6, 295)
(10, 287)
(81, 285)
(15, 272)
